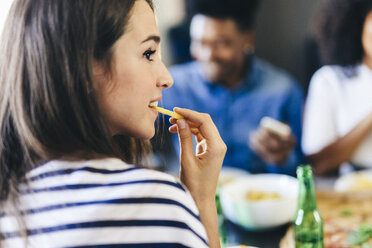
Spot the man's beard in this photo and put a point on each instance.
(218, 72)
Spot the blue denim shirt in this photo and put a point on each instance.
(265, 91)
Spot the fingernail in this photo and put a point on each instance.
(181, 123)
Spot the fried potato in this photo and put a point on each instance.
(168, 112)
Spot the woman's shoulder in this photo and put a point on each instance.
(329, 77)
(98, 170)
(336, 73)
(101, 175)
(120, 195)
(94, 180)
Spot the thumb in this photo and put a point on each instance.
(185, 137)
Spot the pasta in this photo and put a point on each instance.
(261, 195)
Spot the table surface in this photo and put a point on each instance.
(235, 235)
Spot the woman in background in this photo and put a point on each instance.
(78, 79)
(337, 126)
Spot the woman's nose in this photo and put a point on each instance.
(165, 79)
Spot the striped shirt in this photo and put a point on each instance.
(103, 203)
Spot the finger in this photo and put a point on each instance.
(194, 131)
(264, 138)
(290, 140)
(256, 145)
(191, 124)
(185, 138)
(199, 137)
(201, 121)
(173, 120)
(264, 153)
(173, 129)
(280, 143)
(282, 139)
(272, 142)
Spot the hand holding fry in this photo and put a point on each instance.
(200, 171)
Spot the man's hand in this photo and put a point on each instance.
(271, 147)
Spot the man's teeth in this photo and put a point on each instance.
(154, 104)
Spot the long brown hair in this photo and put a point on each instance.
(48, 106)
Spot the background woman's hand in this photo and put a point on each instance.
(271, 147)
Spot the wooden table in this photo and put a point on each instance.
(267, 238)
(337, 225)
(329, 204)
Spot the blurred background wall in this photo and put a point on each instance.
(169, 13)
(284, 36)
(283, 33)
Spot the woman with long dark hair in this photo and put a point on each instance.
(338, 112)
(78, 81)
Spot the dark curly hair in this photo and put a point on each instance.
(338, 30)
(243, 12)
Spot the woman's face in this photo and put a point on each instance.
(367, 39)
(137, 77)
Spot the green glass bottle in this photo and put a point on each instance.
(307, 223)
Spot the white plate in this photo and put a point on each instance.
(355, 181)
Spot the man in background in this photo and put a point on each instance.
(237, 89)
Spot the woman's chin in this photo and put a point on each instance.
(147, 134)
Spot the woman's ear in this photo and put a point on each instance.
(98, 69)
(99, 74)
(102, 76)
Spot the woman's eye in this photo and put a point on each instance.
(148, 54)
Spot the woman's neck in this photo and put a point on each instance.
(368, 62)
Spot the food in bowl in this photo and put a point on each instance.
(355, 181)
(260, 214)
(230, 174)
(255, 195)
(362, 182)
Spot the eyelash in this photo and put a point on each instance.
(148, 54)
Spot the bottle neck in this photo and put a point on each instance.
(306, 196)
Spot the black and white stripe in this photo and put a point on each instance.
(104, 203)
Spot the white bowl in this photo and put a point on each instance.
(260, 214)
(355, 181)
(230, 174)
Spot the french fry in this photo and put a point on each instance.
(168, 112)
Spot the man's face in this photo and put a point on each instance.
(220, 47)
